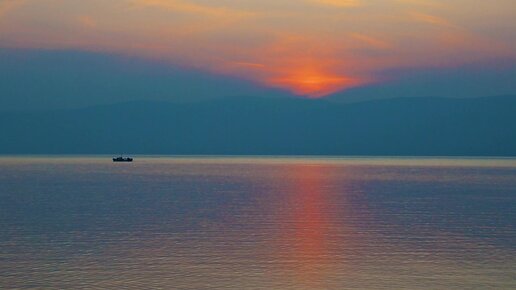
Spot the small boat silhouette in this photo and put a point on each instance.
(122, 159)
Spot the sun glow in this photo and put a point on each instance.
(313, 83)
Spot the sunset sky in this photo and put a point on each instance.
(310, 48)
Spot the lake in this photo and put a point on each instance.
(257, 223)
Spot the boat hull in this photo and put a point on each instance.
(121, 159)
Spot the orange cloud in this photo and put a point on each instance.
(248, 64)
(192, 8)
(425, 3)
(86, 21)
(430, 19)
(8, 5)
(371, 41)
(339, 3)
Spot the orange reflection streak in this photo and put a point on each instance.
(311, 231)
(310, 219)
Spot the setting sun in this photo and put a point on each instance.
(313, 83)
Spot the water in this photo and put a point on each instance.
(257, 223)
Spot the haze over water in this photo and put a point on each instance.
(257, 223)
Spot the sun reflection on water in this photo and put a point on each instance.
(311, 231)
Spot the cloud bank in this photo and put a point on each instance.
(312, 48)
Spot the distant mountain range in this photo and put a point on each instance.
(273, 126)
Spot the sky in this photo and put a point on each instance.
(306, 48)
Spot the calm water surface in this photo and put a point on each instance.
(257, 223)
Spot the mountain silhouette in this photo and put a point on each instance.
(271, 126)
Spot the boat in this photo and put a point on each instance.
(122, 159)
